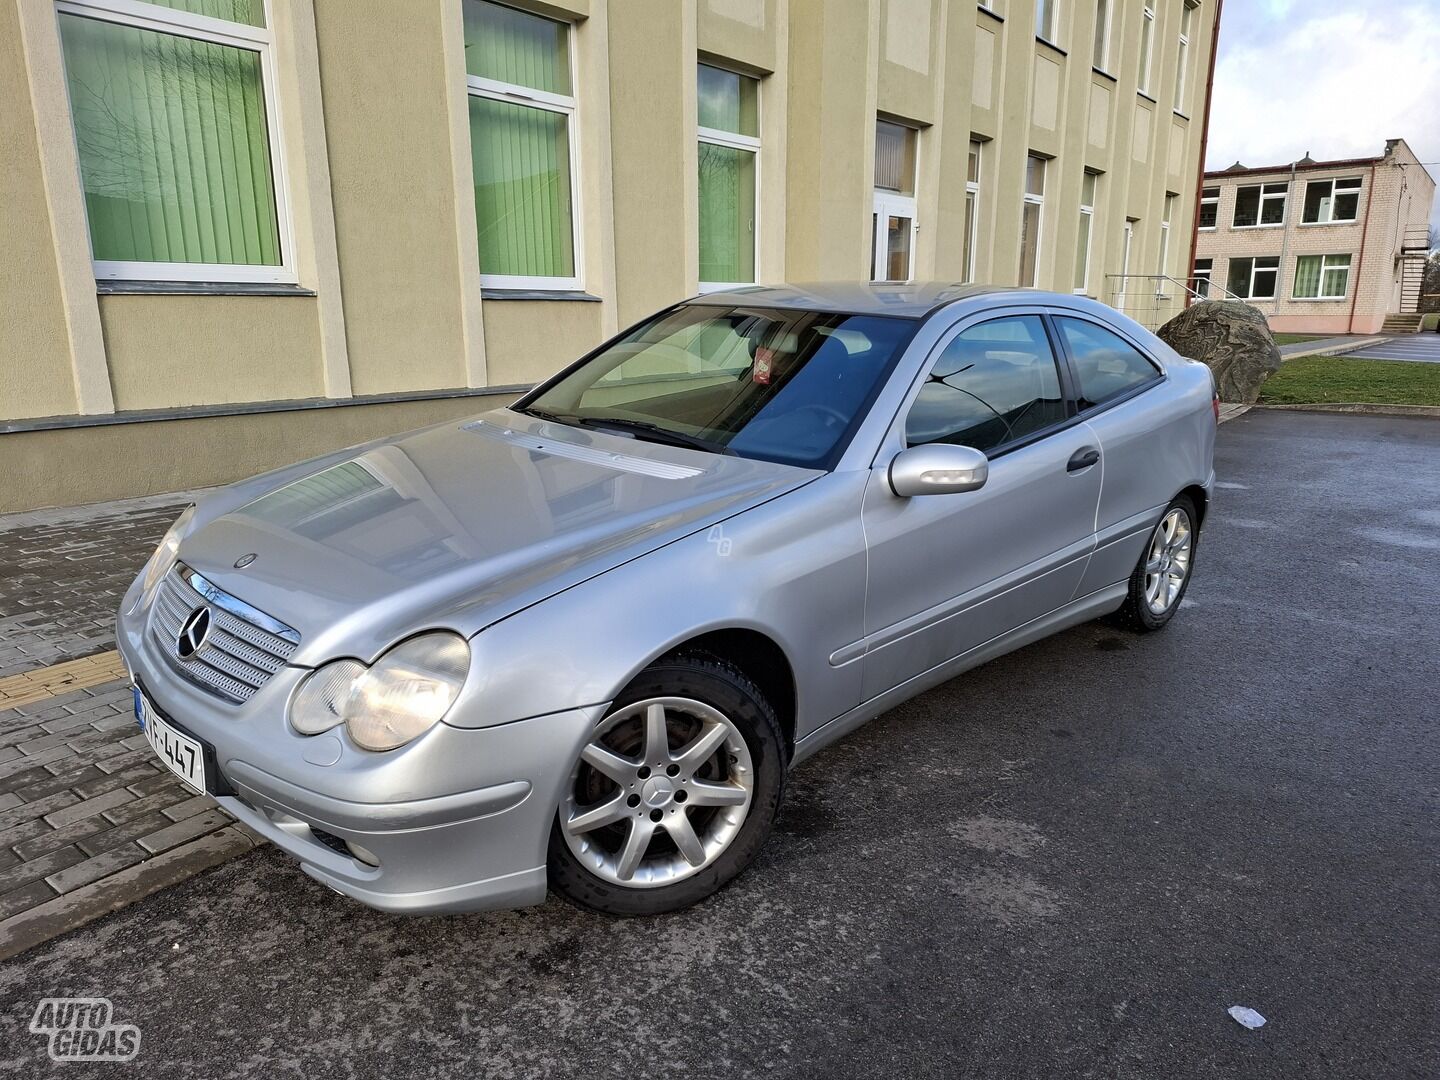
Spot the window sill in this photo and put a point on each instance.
(1102, 72)
(1050, 45)
(991, 12)
(1318, 299)
(115, 287)
(490, 293)
(1247, 228)
(1146, 95)
(1181, 115)
(1322, 224)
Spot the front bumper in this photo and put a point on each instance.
(458, 820)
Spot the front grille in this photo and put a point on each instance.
(243, 649)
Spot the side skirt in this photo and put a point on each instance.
(1084, 609)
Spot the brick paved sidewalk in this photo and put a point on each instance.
(90, 821)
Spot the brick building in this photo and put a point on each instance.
(1318, 246)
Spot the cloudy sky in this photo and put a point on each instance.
(1334, 77)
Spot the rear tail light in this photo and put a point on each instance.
(1215, 405)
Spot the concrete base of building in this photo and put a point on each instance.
(120, 457)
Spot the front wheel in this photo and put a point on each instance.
(673, 794)
(1163, 573)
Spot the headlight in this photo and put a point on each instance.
(164, 557)
(404, 694)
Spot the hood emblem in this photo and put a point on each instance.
(193, 633)
(244, 561)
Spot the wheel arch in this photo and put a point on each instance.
(1200, 497)
(759, 656)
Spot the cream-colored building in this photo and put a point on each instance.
(1326, 247)
(239, 232)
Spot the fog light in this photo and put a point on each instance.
(360, 854)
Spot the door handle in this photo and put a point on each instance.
(1082, 459)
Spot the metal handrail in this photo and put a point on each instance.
(1194, 295)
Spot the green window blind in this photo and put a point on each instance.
(516, 47)
(249, 12)
(1335, 278)
(171, 135)
(521, 158)
(727, 101)
(1307, 276)
(727, 214)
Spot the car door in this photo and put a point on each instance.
(950, 572)
(1143, 467)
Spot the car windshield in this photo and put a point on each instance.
(770, 383)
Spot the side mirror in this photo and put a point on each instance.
(938, 469)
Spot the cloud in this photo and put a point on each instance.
(1331, 78)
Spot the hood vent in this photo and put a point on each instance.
(661, 470)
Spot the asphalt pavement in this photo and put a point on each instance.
(1067, 863)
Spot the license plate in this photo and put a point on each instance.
(185, 756)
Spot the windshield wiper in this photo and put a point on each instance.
(541, 414)
(643, 429)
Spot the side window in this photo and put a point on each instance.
(1106, 365)
(993, 384)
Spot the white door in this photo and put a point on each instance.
(892, 247)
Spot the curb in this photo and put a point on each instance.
(1360, 408)
(1333, 350)
(90, 902)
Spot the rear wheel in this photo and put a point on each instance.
(1163, 573)
(674, 792)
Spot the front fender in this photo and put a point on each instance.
(792, 569)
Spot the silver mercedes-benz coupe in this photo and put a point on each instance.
(577, 643)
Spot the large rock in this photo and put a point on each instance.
(1233, 339)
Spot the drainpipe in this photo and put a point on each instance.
(1360, 256)
(1284, 239)
(1204, 141)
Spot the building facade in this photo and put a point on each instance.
(239, 232)
(1319, 246)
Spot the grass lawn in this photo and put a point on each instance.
(1310, 380)
(1290, 339)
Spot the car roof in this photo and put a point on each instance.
(904, 299)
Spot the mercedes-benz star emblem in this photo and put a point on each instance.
(193, 632)
(244, 561)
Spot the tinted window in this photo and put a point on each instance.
(1105, 364)
(779, 384)
(993, 384)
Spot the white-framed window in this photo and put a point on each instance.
(1209, 209)
(728, 124)
(1147, 45)
(1100, 58)
(1259, 205)
(1254, 279)
(1032, 216)
(1165, 216)
(520, 77)
(1087, 222)
(892, 247)
(1047, 19)
(177, 136)
(1182, 58)
(1321, 277)
(1200, 279)
(1329, 201)
(972, 208)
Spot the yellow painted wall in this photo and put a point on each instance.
(177, 351)
(35, 372)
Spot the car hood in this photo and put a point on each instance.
(460, 525)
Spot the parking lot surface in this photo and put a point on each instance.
(1421, 348)
(1069, 862)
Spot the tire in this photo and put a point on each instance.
(701, 695)
(1138, 612)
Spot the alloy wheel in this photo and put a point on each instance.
(1168, 564)
(658, 793)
